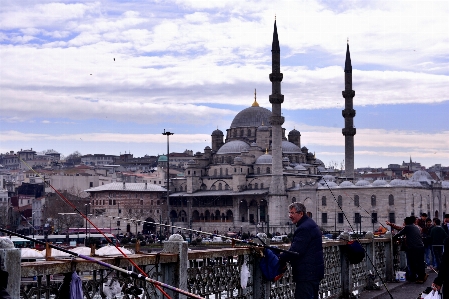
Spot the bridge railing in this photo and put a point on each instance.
(216, 273)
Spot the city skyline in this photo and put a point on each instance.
(109, 77)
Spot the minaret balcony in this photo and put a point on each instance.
(276, 77)
(276, 98)
(348, 93)
(348, 131)
(276, 120)
(348, 113)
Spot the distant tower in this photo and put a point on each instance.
(277, 205)
(349, 114)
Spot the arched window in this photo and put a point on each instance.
(256, 186)
(241, 133)
(340, 200)
(293, 199)
(323, 200)
(268, 170)
(219, 186)
(250, 186)
(261, 185)
(215, 172)
(391, 200)
(373, 200)
(293, 184)
(258, 170)
(249, 132)
(356, 201)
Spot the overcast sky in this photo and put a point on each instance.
(109, 76)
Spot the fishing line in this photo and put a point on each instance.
(356, 237)
(101, 263)
(205, 233)
(91, 223)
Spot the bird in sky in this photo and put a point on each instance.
(114, 59)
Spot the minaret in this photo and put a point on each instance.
(349, 114)
(277, 205)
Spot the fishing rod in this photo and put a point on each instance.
(68, 202)
(101, 263)
(235, 240)
(357, 237)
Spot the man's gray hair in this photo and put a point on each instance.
(299, 207)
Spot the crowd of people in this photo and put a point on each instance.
(424, 241)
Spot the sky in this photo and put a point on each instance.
(110, 76)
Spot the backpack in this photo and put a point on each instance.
(270, 266)
(354, 252)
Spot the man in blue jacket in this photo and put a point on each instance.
(308, 267)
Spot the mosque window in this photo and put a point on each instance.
(222, 159)
(241, 133)
(340, 217)
(323, 201)
(391, 200)
(392, 217)
(219, 186)
(340, 200)
(357, 218)
(261, 185)
(249, 132)
(250, 186)
(356, 201)
(293, 184)
(215, 172)
(213, 188)
(373, 200)
(268, 170)
(373, 217)
(293, 199)
(323, 217)
(256, 186)
(258, 170)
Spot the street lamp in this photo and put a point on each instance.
(168, 169)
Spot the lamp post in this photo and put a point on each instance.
(32, 222)
(168, 170)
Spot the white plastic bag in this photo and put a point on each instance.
(433, 295)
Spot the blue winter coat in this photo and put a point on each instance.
(307, 241)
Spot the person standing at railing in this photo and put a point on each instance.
(414, 250)
(308, 267)
(437, 235)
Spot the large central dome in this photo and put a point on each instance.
(251, 117)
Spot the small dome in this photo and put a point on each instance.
(328, 178)
(304, 148)
(238, 160)
(413, 184)
(294, 132)
(422, 176)
(262, 128)
(362, 183)
(265, 159)
(299, 167)
(191, 162)
(251, 117)
(162, 159)
(346, 184)
(290, 148)
(217, 132)
(233, 147)
(379, 183)
(397, 183)
(328, 184)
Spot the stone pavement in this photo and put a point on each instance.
(400, 290)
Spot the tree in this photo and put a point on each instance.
(74, 158)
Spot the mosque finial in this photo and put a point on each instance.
(347, 40)
(255, 104)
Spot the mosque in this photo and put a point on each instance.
(248, 177)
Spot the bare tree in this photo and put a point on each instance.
(74, 158)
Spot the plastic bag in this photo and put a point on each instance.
(433, 295)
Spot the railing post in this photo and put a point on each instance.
(389, 258)
(176, 274)
(345, 270)
(10, 263)
(261, 287)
